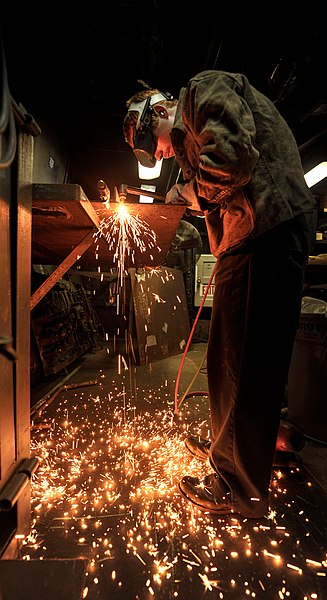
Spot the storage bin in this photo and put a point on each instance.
(307, 379)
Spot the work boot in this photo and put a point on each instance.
(211, 495)
(198, 446)
(208, 495)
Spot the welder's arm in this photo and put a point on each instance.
(224, 130)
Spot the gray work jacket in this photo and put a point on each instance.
(238, 157)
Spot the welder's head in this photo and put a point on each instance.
(141, 121)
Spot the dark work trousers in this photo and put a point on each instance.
(255, 313)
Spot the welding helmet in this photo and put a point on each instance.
(144, 142)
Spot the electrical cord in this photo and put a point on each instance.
(177, 401)
(7, 121)
(186, 393)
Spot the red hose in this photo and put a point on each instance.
(189, 341)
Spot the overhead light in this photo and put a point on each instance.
(150, 172)
(316, 174)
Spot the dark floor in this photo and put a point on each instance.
(111, 454)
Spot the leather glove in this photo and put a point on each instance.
(174, 196)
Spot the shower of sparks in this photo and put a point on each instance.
(108, 485)
(124, 233)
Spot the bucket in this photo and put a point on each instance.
(307, 378)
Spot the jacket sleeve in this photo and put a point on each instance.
(222, 126)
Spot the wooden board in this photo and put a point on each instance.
(62, 215)
(160, 312)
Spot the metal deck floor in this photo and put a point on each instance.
(106, 491)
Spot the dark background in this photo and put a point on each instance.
(73, 65)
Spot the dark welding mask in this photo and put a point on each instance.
(144, 140)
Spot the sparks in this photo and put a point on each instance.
(125, 232)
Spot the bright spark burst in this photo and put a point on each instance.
(124, 233)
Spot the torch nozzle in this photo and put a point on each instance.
(125, 189)
(123, 192)
(104, 191)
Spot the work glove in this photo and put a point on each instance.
(174, 196)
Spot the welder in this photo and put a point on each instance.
(241, 169)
